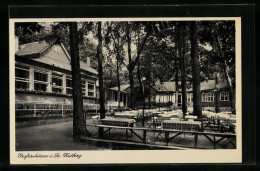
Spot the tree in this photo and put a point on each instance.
(129, 67)
(133, 62)
(79, 121)
(116, 41)
(220, 36)
(224, 33)
(30, 31)
(100, 76)
(181, 44)
(197, 106)
(176, 74)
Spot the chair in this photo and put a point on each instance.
(96, 117)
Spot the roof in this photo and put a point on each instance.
(211, 84)
(122, 88)
(205, 85)
(32, 48)
(87, 68)
(165, 86)
(39, 47)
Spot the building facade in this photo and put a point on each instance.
(111, 96)
(166, 92)
(43, 74)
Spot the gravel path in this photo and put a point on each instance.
(49, 137)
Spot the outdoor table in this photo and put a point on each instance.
(156, 121)
(161, 118)
(234, 126)
(123, 124)
(156, 113)
(229, 125)
(125, 115)
(191, 117)
(164, 115)
(181, 125)
(118, 122)
(229, 120)
(208, 123)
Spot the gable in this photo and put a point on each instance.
(55, 56)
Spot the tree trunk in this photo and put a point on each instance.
(118, 82)
(183, 71)
(139, 77)
(130, 67)
(100, 76)
(150, 104)
(79, 122)
(230, 88)
(197, 106)
(216, 95)
(132, 90)
(149, 79)
(177, 66)
(176, 89)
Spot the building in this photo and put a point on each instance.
(43, 74)
(111, 96)
(166, 91)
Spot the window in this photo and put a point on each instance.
(224, 96)
(69, 88)
(56, 48)
(90, 89)
(40, 80)
(115, 96)
(69, 85)
(190, 97)
(208, 97)
(97, 95)
(121, 97)
(83, 87)
(159, 98)
(57, 81)
(22, 77)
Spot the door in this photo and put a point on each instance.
(179, 99)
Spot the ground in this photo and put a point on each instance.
(49, 137)
(58, 136)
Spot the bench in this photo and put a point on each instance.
(214, 141)
(221, 125)
(127, 128)
(214, 138)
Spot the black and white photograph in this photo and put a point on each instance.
(135, 90)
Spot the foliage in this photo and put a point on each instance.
(210, 58)
(30, 31)
(136, 49)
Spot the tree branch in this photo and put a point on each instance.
(139, 50)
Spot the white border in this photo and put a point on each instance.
(135, 156)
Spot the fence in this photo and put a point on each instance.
(39, 109)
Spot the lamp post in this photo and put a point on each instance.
(159, 98)
(143, 79)
(216, 100)
(168, 103)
